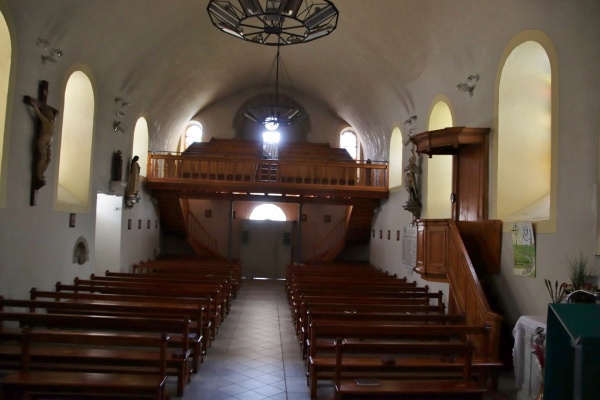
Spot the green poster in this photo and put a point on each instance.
(523, 249)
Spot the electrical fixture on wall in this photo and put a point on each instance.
(119, 126)
(469, 85)
(49, 53)
(274, 22)
(280, 108)
(411, 129)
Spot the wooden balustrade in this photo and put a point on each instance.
(316, 172)
(333, 242)
(199, 234)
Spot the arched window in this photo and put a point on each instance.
(140, 144)
(74, 168)
(395, 159)
(349, 142)
(193, 133)
(526, 133)
(5, 63)
(268, 212)
(439, 167)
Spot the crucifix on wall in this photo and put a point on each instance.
(44, 131)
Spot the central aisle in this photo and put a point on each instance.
(256, 354)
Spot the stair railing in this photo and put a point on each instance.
(466, 294)
(199, 235)
(333, 242)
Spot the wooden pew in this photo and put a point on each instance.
(323, 365)
(214, 308)
(208, 316)
(178, 363)
(198, 330)
(56, 362)
(404, 370)
(228, 285)
(360, 308)
(299, 312)
(210, 290)
(370, 318)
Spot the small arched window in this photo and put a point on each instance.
(5, 63)
(140, 144)
(349, 141)
(439, 167)
(395, 159)
(268, 212)
(75, 164)
(193, 133)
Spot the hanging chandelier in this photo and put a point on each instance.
(279, 110)
(274, 22)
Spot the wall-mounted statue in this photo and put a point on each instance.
(412, 186)
(43, 137)
(133, 186)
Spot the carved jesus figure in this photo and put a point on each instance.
(47, 116)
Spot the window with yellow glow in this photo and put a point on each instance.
(74, 168)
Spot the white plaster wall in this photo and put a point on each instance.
(477, 50)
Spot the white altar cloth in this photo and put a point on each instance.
(525, 363)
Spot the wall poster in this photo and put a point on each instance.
(523, 249)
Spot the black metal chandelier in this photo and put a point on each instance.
(279, 110)
(274, 22)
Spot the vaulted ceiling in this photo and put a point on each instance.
(167, 58)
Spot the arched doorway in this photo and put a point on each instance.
(266, 243)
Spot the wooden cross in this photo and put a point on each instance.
(42, 144)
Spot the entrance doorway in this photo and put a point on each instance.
(265, 248)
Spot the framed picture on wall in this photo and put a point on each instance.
(129, 223)
(303, 218)
(148, 225)
(327, 218)
(208, 213)
(139, 224)
(389, 234)
(72, 220)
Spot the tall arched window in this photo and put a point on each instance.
(75, 164)
(5, 63)
(140, 144)
(439, 167)
(349, 141)
(526, 133)
(396, 168)
(193, 133)
(268, 212)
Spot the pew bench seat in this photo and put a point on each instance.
(405, 370)
(52, 362)
(409, 389)
(82, 385)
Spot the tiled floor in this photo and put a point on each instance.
(256, 354)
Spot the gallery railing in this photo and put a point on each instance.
(365, 175)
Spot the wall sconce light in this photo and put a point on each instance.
(49, 53)
(469, 85)
(121, 102)
(132, 200)
(119, 126)
(411, 129)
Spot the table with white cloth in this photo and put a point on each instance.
(527, 368)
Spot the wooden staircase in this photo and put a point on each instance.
(172, 214)
(359, 224)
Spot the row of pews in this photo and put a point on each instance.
(117, 335)
(378, 336)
